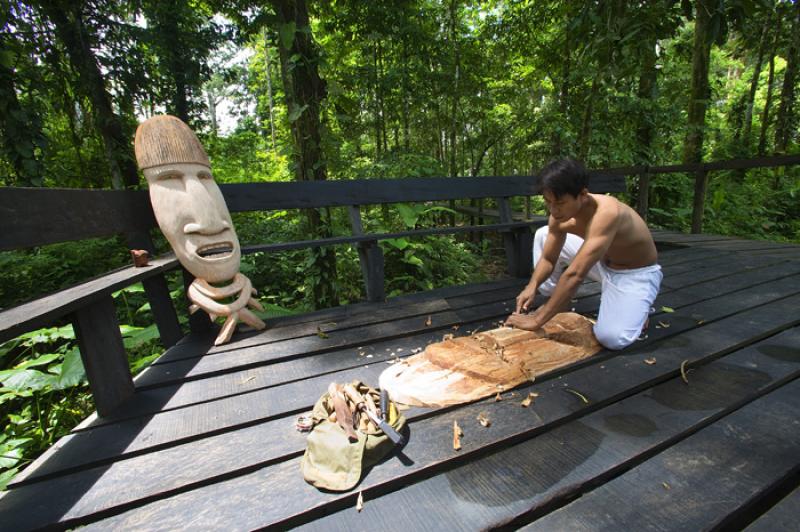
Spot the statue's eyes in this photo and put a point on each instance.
(204, 175)
(169, 175)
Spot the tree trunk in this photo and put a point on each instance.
(71, 31)
(211, 101)
(762, 137)
(698, 102)
(377, 110)
(304, 91)
(268, 69)
(646, 93)
(20, 131)
(454, 92)
(563, 96)
(784, 119)
(751, 96)
(586, 123)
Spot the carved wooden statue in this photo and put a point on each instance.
(192, 214)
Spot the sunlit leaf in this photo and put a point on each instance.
(72, 371)
(27, 379)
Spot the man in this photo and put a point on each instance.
(594, 236)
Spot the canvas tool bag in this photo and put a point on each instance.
(331, 460)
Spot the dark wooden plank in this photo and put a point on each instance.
(103, 355)
(708, 476)
(38, 216)
(305, 195)
(257, 377)
(783, 516)
(511, 486)
(708, 274)
(429, 447)
(43, 311)
(499, 480)
(102, 442)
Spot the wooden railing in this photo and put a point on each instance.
(33, 217)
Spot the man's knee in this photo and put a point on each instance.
(615, 338)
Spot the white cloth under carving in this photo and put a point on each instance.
(627, 295)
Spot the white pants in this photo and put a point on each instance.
(626, 295)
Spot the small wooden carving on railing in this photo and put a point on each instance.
(194, 218)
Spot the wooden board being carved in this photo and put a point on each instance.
(458, 370)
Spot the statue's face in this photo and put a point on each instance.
(192, 214)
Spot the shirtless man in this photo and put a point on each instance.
(596, 237)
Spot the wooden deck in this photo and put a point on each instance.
(208, 441)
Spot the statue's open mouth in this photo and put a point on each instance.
(217, 250)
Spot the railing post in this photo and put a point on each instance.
(516, 243)
(103, 354)
(157, 292)
(370, 257)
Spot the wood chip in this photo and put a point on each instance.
(428, 322)
(664, 324)
(650, 361)
(455, 327)
(457, 433)
(578, 394)
(683, 372)
(483, 419)
(498, 398)
(360, 501)
(528, 400)
(666, 486)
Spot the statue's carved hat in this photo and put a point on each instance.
(165, 139)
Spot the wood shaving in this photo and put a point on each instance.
(666, 486)
(578, 394)
(683, 372)
(498, 398)
(360, 501)
(457, 433)
(650, 361)
(529, 400)
(483, 419)
(428, 322)
(664, 324)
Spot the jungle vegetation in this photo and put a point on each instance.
(345, 89)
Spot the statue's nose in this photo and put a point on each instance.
(206, 216)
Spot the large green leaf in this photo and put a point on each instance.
(134, 337)
(27, 379)
(408, 214)
(38, 361)
(399, 243)
(287, 32)
(72, 371)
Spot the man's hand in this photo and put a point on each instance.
(529, 322)
(525, 298)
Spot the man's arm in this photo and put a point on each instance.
(599, 238)
(544, 267)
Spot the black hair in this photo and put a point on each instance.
(564, 176)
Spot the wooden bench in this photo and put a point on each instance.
(35, 217)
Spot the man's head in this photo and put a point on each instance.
(563, 185)
(564, 176)
(187, 202)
